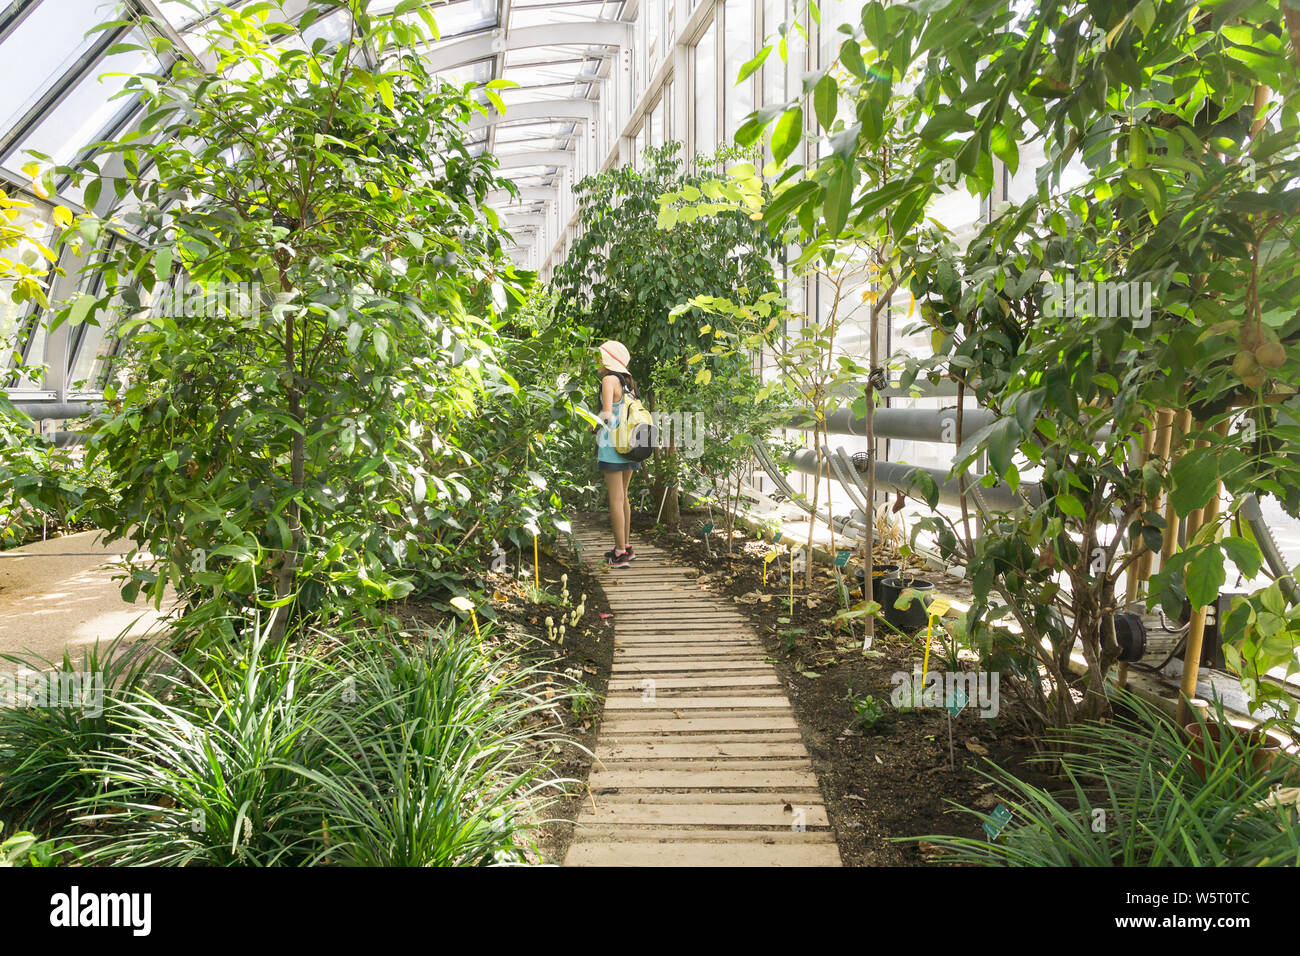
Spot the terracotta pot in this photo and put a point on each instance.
(1266, 746)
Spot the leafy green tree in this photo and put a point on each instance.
(728, 411)
(1184, 117)
(36, 479)
(626, 272)
(293, 436)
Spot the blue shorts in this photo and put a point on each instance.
(619, 465)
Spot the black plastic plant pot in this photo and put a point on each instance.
(878, 571)
(912, 617)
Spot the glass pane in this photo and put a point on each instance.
(465, 16)
(833, 13)
(773, 68)
(657, 124)
(480, 71)
(13, 316)
(538, 16)
(533, 94)
(652, 10)
(43, 48)
(706, 99)
(183, 13)
(739, 22)
(87, 109)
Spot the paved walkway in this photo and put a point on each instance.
(699, 761)
(60, 595)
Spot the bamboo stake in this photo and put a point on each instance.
(1178, 436)
(1196, 632)
(1164, 434)
(1140, 550)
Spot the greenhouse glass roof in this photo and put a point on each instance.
(63, 78)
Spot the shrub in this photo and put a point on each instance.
(1134, 799)
(51, 756)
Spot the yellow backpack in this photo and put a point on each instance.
(635, 435)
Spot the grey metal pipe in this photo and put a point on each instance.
(839, 523)
(842, 467)
(902, 424)
(41, 411)
(1268, 547)
(895, 475)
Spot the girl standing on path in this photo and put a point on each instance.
(617, 470)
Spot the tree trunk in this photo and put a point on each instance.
(664, 491)
(288, 571)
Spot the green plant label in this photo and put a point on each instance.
(842, 558)
(958, 701)
(707, 528)
(776, 537)
(996, 821)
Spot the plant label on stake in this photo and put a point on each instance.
(768, 559)
(705, 532)
(465, 604)
(958, 702)
(841, 559)
(936, 608)
(997, 820)
(955, 706)
(791, 611)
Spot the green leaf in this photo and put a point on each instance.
(851, 57)
(1004, 147)
(1195, 477)
(839, 197)
(1003, 440)
(826, 100)
(1204, 576)
(81, 308)
(752, 66)
(786, 136)
(162, 261)
(780, 207)
(1070, 505)
(1244, 554)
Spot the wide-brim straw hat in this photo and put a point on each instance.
(615, 356)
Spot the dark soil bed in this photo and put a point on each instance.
(881, 782)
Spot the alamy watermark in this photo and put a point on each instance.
(72, 690)
(682, 431)
(947, 689)
(222, 300)
(75, 909)
(1102, 299)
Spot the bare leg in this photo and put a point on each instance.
(617, 508)
(627, 509)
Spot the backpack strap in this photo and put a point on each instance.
(622, 382)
